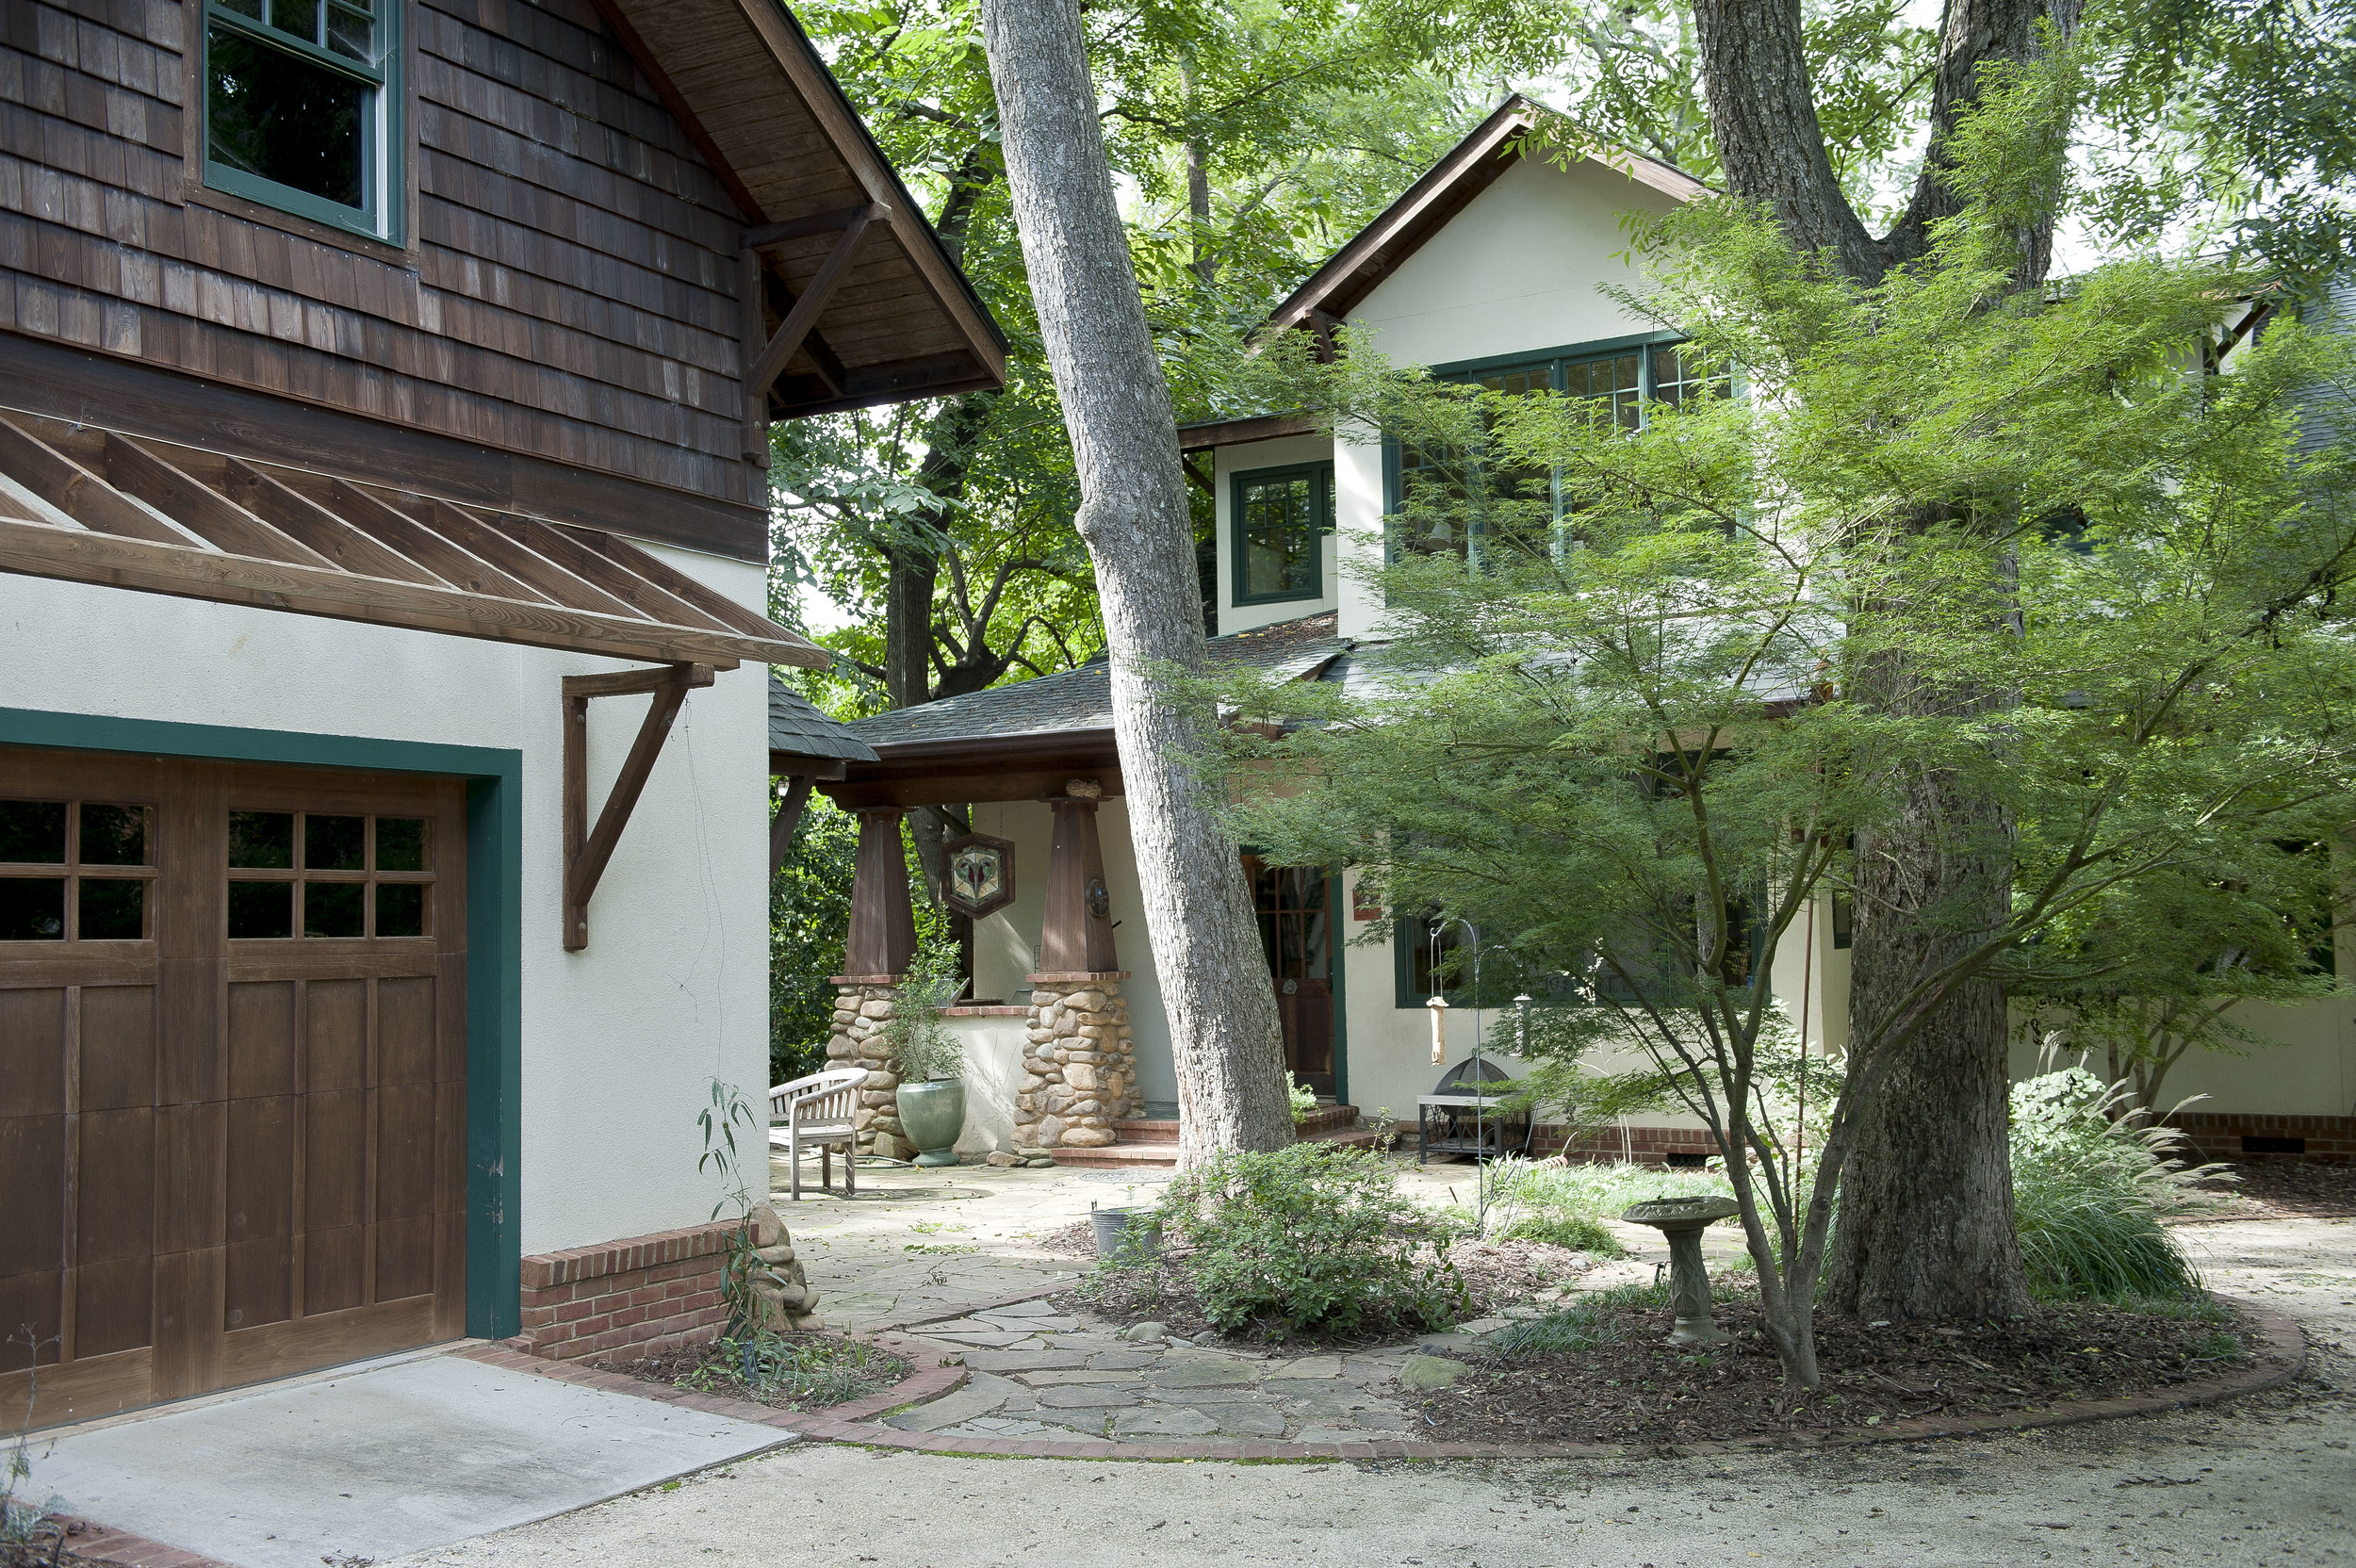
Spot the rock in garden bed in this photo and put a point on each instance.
(787, 1372)
(1608, 1379)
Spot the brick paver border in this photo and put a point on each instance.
(2277, 1354)
(97, 1542)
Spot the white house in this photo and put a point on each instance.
(1494, 267)
(383, 542)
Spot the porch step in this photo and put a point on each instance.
(1150, 1142)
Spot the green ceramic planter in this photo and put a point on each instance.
(932, 1115)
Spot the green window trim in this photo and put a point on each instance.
(1557, 365)
(493, 945)
(1321, 498)
(382, 212)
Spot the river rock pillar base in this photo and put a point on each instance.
(1079, 1063)
(863, 1005)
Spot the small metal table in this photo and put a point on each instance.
(1475, 1125)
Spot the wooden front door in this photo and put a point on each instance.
(1297, 929)
(232, 1074)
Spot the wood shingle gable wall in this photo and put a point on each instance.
(571, 287)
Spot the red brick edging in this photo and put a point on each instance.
(2277, 1354)
(97, 1542)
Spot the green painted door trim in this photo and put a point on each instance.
(1337, 965)
(494, 943)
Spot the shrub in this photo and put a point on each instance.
(1303, 1098)
(2088, 1194)
(1580, 1232)
(1309, 1239)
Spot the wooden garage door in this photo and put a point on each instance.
(232, 1074)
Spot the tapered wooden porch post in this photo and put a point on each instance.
(1078, 1059)
(880, 946)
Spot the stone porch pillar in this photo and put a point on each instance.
(881, 944)
(1078, 1059)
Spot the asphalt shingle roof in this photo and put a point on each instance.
(1076, 700)
(798, 725)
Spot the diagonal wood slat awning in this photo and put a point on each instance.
(91, 506)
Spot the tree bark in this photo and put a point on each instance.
(1925, 1226)
(1132, 517)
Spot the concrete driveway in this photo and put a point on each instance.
(370, 1461)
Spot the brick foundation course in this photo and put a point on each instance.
(1644, 1145)
(648, 1294)
(2219, 1135)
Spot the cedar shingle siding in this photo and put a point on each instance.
(573, 291)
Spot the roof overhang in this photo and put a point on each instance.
(983, 769)
(84, 504)
(1212, 433)
(896, 318)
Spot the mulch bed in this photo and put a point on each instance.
(1497, 1273)
(1640, 1391)
(717, 1369)
(2281, 1189)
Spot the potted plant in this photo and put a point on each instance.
(932, 1094)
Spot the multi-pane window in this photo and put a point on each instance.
(321, 875)
(1463, 504)
(75, 871)
(1281, 518)
(301, 107)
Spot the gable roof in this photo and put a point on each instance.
(1404, 227)
(1472, 167)
(745, 81)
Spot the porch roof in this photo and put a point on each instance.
(799, 727)
(1020, 742)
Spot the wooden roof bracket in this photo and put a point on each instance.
(588, 849)
(765, 356)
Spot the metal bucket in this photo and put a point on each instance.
(1112, 1224)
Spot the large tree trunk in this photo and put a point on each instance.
(1926, 1223)
(1224, 1026)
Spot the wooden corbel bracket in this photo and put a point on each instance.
(765, 353)
(587, 849)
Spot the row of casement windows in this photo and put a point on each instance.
(1444, 501)
(302, 108)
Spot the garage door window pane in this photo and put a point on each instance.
(261, 908)
(400, 843)
(114, 835)
(262, 839)
(32, 910)
(33, 831)
(113, 911)
(331, 908)
(400, 908)
(335, 843)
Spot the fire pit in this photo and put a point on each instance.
(1682, 1221)
(1464, 1114)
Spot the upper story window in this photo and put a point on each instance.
(1462, 503)
(301, 109)
(1281, 518)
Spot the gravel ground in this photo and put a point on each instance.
(2269, 1480)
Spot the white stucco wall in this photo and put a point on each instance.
(619, 1042)
(993, 1049)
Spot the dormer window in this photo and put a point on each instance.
(301, 109)
(1282, 516)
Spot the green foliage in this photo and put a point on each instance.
(1582, 1232)
(810, 917)
(924, 1047)
(2089, 1193)
(804, 1373)
(1309, 1239)
(1635, 742)
(1303, 1098)
(1588, 1321)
